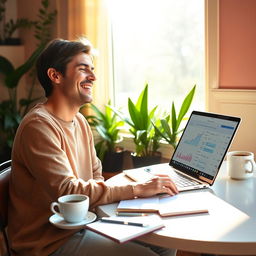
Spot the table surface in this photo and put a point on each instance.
(230, 229)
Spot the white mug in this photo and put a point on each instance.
(72, 208)
(240, 164)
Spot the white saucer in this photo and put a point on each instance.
(59, 222)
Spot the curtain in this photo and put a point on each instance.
(89, 18)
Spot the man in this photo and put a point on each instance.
(53, 155)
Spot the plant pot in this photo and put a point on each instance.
(10, 41)
(140, 161)
(113, 161)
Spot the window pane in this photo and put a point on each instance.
(159, 42)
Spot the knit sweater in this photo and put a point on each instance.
(52, 158)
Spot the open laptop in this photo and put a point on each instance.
(201, 150)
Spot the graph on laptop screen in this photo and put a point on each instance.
(204, 143)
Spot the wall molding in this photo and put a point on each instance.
(241, 103)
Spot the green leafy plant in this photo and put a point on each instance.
(43, 25)
(141, 127)
(108, 126)
(9, 27)
(169, 128)
(13, 109)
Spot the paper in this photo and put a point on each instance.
(180, 204)
(140, 205)
(183, 203)
(123, 233)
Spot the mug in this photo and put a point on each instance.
(72, 208)
(240, 164)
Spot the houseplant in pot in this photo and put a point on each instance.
(7, 28)
(170, 124)
(145, 138)
(108, 126)
(13, 109)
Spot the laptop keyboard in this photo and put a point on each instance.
(183, 181)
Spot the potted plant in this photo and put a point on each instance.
(13, 109)
(145, 138)
(7, 28)
(108, 126)
(169, 128)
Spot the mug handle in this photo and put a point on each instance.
(53, 205)
(253, 166)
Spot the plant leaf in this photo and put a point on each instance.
(174, 119)
(6, 66)
(142, 106)
(134, 114)
(166, 127)
(185, 106)
(13, 78)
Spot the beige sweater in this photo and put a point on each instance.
(52, 158)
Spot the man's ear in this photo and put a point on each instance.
(54, 75)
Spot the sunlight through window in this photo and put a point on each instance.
(160, 43)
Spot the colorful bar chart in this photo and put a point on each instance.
(185, 157)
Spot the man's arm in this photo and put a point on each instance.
(40, 149)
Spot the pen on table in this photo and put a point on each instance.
(130, 214)
(108, 220)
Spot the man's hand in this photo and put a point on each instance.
(158, 184)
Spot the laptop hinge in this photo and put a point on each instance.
(191, 177)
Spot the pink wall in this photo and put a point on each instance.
(237, 44)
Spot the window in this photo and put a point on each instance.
(159, 42)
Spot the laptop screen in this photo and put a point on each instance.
(203, 144)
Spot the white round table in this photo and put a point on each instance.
(230, 229)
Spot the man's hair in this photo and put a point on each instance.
(57, 54)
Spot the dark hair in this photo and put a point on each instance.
(57, 54)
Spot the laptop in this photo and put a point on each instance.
(200, 152)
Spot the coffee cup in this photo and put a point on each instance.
(240, 164)
(72, 208)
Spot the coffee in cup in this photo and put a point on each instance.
(240, 164)
(72, 208)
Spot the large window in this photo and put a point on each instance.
(159, 42)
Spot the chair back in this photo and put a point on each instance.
(5, 171)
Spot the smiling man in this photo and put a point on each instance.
(53, 155)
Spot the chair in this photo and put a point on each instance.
(5, 171)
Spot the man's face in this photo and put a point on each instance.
(78, 81)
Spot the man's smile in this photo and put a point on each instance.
(86, 85)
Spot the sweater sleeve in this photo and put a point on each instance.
(42, 150)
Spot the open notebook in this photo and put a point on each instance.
(122, 233)
(167, 206)
(200, 152)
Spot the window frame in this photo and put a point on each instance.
(103, 91)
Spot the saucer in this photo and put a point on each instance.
(59, 222)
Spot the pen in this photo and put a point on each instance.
(130, 214)
(138, 224)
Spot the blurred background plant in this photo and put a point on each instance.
(108, 126)
(13, 109)
(7, 28)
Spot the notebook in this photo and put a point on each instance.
(200, 152)
(127, 231)
(167, 206)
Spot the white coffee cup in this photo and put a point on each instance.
(73, 208)
(240, 164)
